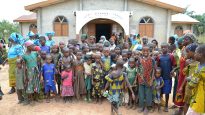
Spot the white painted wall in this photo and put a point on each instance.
(184, 26)
(24, 28)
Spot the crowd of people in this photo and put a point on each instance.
(134, 73)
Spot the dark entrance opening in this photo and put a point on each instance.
(103, 29)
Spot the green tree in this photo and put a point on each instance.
(6, 28)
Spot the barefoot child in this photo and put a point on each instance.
(67, 84)
(157, 85)
(48, 73)
(197, 83)
(20, 80)
(79, 83)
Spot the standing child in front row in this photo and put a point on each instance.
(145, 79)
(157, 86)
(79, 83)
(56, 56)
(20, 80)
(97, 80)
(67, 84)
(88, 76)
(48, 73)
(197, 83)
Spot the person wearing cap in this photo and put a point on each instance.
(15, 51)
(50, 42)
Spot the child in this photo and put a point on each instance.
(88, 76)
(67, 83)
(61, 46)
(65, 60)
(48, 73)
(166, 62)
(157, 85)
(197, 83)
(32, 74)
(115, 81)
(45, 48)
(97, 80)
(79, 83)
(56, 56)
(50, 42)
(145, 79)
(118, 52)
(20, 80)
(132, 79)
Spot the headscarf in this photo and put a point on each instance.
(50, 33)
(30, 34)
(192, 47)
(84, 36)
(17, 38)
(191, 36)
(28, 43)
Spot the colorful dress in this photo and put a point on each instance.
(98, 82)
(79, 83)
(13, 52)
(32, 73)
(48, 71)
(157, 92)
(198, 83)
(67, 83)
(50, 43)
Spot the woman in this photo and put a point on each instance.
(14, 52)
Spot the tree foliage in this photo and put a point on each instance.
(6, 28)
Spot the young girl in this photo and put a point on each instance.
(20, 80)
(97, 79)
(65, 60)
(145, 79)
(131, 75)
(88, 76)
(67, 84)
(56, 56)
(157, 86)
(79, 83)
(50, 42)
(32, 72)
(197, 83)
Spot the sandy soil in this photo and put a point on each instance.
(9, 106)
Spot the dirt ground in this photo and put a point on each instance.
(9, 106)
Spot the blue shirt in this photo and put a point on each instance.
(46, 49)
(166, 66)
(50, 43)
(15, 50)
(48, 71)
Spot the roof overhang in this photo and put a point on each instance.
(27, 18)
(157, 3)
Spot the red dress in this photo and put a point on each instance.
(179, 99)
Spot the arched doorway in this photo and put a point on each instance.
(99, 27)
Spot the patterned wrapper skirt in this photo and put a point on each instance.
(12, 67)
(67, 91)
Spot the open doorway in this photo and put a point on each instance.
(103, 29)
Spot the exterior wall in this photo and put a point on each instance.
(51, 12)
(159, 15)
(24, 28)
(184, 26)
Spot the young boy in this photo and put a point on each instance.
(115, 80)
(43, 45)
(166, 62)
(48, 73)
(20, 80)
(145, 78)
(197, 83)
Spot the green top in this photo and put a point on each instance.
(30, 59)
(131, 75)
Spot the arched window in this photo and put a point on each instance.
(61, 26)
(33, 28)
(146, 27)
(179, 31)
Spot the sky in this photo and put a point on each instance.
(12, 9)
